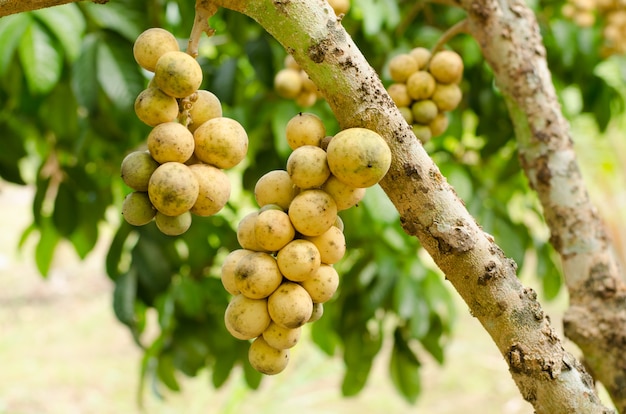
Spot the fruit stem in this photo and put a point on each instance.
(456, 29)
(204, 10)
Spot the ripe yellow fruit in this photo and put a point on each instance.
(345, 195)
(275, 187)
(424, 111)
(421, 56)
(288, 83)
(306, 99)
(399, 94)
(298, 260)
(447, 96)
(305, 129)
(446, 67)
(151, 45)
(291, 63)
(331, 245)
(227, 273)
(290, 306)
(307, 167)
(312, 212)
(359, 157)
(401, 67)
(173, 188)
(245, 232)
(137, 209)
(177, 74)
(421, 85)
(279, 337)
(207, 106)
(257, 275)
(170, 141)
(340, 6)
(438, 125)
(221, 142)
(273, 229)
(318, 312)
(407, 114)
(323, 284)
(213, 189)
(173, 225)
(246, 318)
(136, 169)
(266, 359)
(153, 107)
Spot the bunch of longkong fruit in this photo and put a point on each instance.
(611, 14)
(284, 271)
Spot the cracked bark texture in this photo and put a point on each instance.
(8, 7)
(548, 376)
(509, 37)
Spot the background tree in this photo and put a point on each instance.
(73, 118)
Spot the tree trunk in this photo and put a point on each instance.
(548, 377)
(8, 7)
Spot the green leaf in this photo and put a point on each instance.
(166, 371)
(44, 251)
(223, 85)
(189, 297)
(12, 29)
(124, 295)
(223, 366)
(153, 267)
(252, 376)
(67, 23)
(65, 217)
(404, 369)
(116, 248)
(548, 271)
(118, 75)
(118, 17)
(260, 56)
(361, 348)
(84, 74)
(38, 50)
(431, 341)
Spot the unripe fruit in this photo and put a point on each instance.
(137, 209)
(221, 142)
(401, 67)
(227, 274)
(331, 245)
(170, 141)
(298, 260)
(422, 132)
(245, 232)
(446, 66)
(173, 225)
(275, 187)
(359, 157)
(345, 195)
(421, 56)
(399, 94)
(307, 167)
(266, 359)
(173, 188)
(207, 106)
(424, 111)
(281, 338)
(407, 114)
(137, 167)
(213, 190)
(151, 45)
(421, 85)
(312, 212)
(257, 275)
(290, 306)
(438, 125)
(318, 312)
(246, 318)
(178, 74)
(323, 284)
(447, 96)
(288, 83)
(305, 129)
(153, 107)
(273, 229)
(306, 99)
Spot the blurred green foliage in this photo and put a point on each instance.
(67, 86)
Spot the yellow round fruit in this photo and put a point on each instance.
(331, 245)
(288, 83)
(137, 209)
(245, 232)
(305, 129)
(275, 187)
(290, 306)
(213, 191)
(340, 6)
(173, 188)
(221, 142)
(318, 312)
(279, 337)
(173, 225)
(266, 359)
(312, 212)
(421, 85)
(207, 106)
(246, 318)
(290, 63)
(151, 45)
(421, 56)
(424, 111)
(422, 132)
(359, 157)
(177, 74)
(153, 107)
(307, 167)
(447, 96)
(137, 168)
(227, 274)
(170, 141)
(323, 284)
(273, 229)
(345, 195)
(401, 67)
(446, 67)
(438, 125)
(399, 94)
(407, 114)
(298, 260)
(306, 99)
(257, 275)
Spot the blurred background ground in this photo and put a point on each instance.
(63, 352)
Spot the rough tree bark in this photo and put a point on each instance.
(8, 7)
(509, 36)
(548, 377)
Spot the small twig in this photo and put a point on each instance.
(204, 10)
(458, 28)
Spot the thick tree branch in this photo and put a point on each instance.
(8, 7)
(509, 36)
(548, 376)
